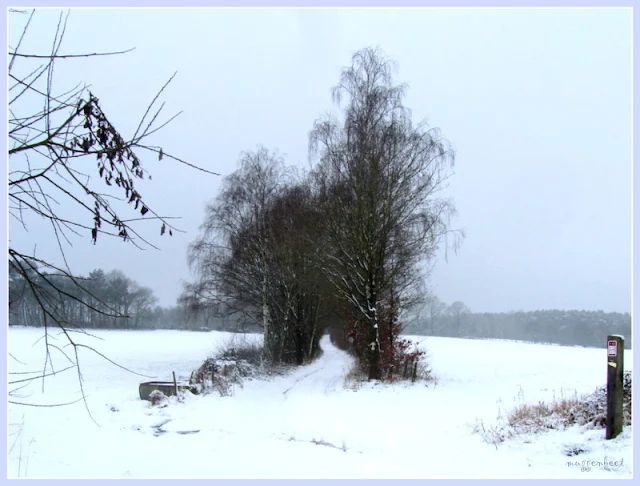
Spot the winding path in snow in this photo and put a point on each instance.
(326, 373)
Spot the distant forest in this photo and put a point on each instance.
(564, 327)
(99, 300)
(113, 293)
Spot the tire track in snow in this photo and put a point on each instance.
(297, 381)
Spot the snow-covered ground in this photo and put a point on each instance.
(309, 424)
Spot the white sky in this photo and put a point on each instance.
(537, 103)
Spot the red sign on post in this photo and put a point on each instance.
(612, 348)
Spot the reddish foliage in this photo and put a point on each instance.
(397, 355)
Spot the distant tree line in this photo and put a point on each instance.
(103, 300)
(99, 300)
(115, 301)
(564, 327)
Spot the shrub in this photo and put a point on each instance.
(588, 410)
(399, 357)
(236, 349)
(235, 361)
(592, 411)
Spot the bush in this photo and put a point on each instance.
(589, 411)
(241, 350)
(400, 361)
(235, 361)
(409, 365)
(592, 411)
(399, 357)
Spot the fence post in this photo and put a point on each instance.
(175, 383)
(615, 385)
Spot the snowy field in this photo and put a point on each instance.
(310, 424)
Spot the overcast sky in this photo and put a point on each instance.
(537, 103)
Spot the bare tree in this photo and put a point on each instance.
(379, 176)
(435, 307)
(234, 255)
(302, 299)
(258, 255)
(54, 134)
(458, 310)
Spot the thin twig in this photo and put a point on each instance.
(67, 56)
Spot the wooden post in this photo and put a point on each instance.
(615, 385)
(175, 383)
